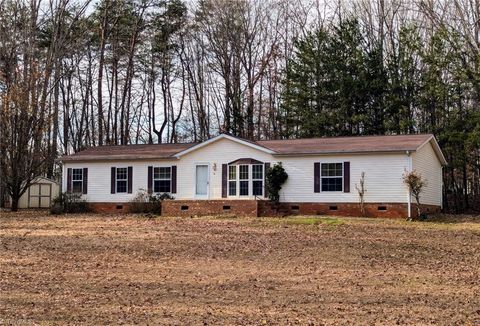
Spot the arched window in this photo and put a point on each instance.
(245, 178)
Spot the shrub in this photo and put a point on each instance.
(148, 203)
(69, 203)
(415, 183)
(275, 178)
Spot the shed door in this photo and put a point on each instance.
(40, 195)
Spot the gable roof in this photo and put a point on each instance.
(290, 147)
(242, 141)
(355, 144)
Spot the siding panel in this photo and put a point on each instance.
(426, 163)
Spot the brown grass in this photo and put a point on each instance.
(128, 269)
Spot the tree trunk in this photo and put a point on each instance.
(14, 207)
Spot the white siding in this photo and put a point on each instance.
(383, 174)
(99, 179)
(220, 152)
(426, 163)
(383, 178)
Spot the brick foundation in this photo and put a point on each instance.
(209, 207)
(390, 210)
(109, 208)
(254, 208)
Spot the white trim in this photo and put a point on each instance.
(247, 180)
(208, 181)
(219, 137)
(116, 180)
(250, 181)
(232, 180)
(262, 195)
(331, 177)
(159, 179)
(439, 152)
(424, 143)
(72, 181)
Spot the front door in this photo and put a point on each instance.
(201, 181)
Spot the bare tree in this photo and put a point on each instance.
(361, 193)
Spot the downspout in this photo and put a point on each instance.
(409, 197)
(64, 175)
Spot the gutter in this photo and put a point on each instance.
(394, 151)
(112, 158)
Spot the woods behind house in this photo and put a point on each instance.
(75, 74)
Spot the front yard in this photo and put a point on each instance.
(129, 269)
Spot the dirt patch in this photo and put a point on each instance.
(125, 269)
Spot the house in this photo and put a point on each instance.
(40, 194)
(226, 174)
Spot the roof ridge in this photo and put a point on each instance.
(353, 136)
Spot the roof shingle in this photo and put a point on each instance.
(358, 144)
(124, 152)
(346, 144)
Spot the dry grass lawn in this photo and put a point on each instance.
(133, 270)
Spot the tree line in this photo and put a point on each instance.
(75, 74)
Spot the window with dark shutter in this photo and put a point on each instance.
(174, 179)
(69, 180)
(346, 176)
(77, 181)
(113, 178)
(316, 177)
(224, 180)
(162, 179)
(121, 180)
(332, 176)
(85, 180)
(130, 179)
(150, 180)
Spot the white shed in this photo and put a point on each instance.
(40, 194)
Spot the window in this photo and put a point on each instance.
(243, 180)
(232, 180)
(257, 179)
(162, 179)
(122, 179)
(77, 180)
(332, 176)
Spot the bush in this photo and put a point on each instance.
(69, 203)
(148, 203)
(275, 178)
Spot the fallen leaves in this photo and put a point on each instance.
(125, 269)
